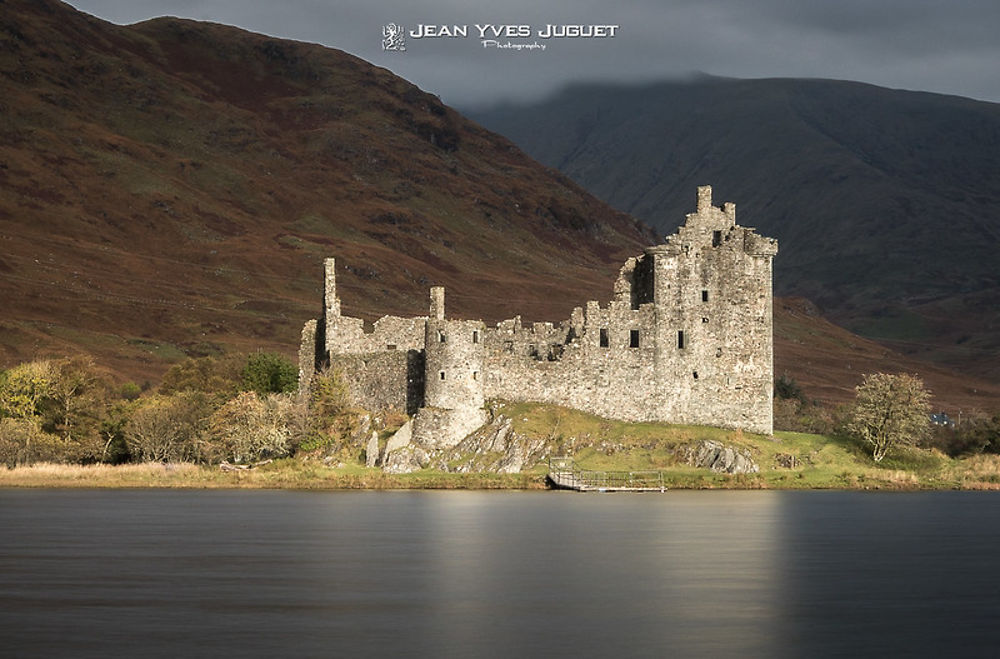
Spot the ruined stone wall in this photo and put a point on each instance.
(379, 381)
(346, 335)
(601, 362)
(383, 369)
(382, 366)
(343, 335)
(307, 353)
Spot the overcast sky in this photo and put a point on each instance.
(948, 46)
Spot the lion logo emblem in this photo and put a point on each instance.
(393, 38)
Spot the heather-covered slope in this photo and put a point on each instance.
(171, 187)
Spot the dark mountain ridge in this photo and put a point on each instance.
(886, 202)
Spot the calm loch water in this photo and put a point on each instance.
(485, 574)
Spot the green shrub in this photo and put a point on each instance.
(973, 436)
(129, 391)
(269, 373)
(787, 388)
(327, 394)
(23, 388)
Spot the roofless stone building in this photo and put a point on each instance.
(687, 338)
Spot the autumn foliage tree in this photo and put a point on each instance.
(250, 428)
(52, 410)
(890, 410)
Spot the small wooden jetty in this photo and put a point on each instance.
(564, 474)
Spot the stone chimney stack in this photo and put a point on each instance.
(730, 210)
(437, 302)
(331, 303)
(704, 198)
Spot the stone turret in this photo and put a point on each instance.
(453, 382)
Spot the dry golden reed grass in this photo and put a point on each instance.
(983, 465)
(288, 475)
(102, 475)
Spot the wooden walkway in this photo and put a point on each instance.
(564, 474)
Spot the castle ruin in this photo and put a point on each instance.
(687, 338)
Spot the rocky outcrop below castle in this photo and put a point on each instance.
(499, 447)
(494, 448)
(718, 457)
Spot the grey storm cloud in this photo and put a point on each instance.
(947, 47)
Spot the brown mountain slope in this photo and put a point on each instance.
(173, 186)
(170, 188)
(828, 361)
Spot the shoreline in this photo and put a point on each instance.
(292, 475)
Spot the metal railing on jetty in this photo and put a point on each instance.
(565, 474)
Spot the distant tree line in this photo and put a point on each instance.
(977, 433)
(239, 409)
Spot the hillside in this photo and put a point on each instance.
(885, 202)
(170, 188)
(828, 361)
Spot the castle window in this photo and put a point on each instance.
(680, 339)
(390, 346)
(704, 296)
(704, 320)
(604, 337)
(508, 346)
(633, 339)
(716, 238)
(440, 339)
(441, 374)
(475, 336)
(475, 375)
(695, 374)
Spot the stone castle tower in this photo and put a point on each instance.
(687, 338)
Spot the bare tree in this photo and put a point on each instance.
(890, 410)
(250, 428)
(163, 428)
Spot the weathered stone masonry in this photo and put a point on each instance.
(686, 338)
